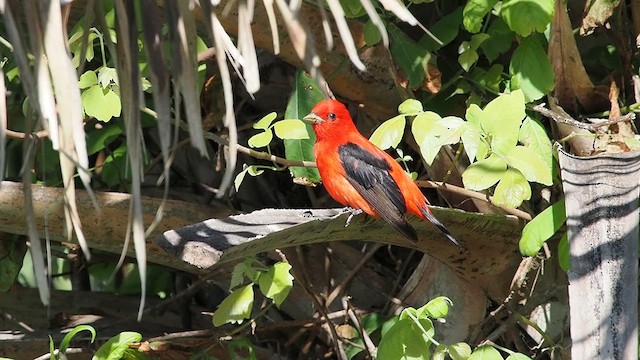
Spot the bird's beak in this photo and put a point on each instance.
(313, 118)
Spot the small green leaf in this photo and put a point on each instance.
(410, 107)
(276, 282)
(518, 356)
(530, 164)
(468, 56)
(531, 70)
(107, 75)
(459, 351)
(235, 308)
(261, 139)
(371, 34)
(541, 228)
(103, 104)
(292, 129)
(436, 308)
(254, 170)
(527, 16)
(389, 133)
(426, 128)
(242, 270)
(265, 122)
(115, 347)
(89, 78)
(405, 340)
(474, 13)
(238, 181)
(484, 173)
(485, 352)
(512, 189)
(564, 259)
(64, 344)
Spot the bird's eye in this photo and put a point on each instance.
(332, 116)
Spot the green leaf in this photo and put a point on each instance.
(261, 139)
(436, 308)
(410, 57)
(410, 107)
(440, 353)
(471, 140)
(276, 282)
(52, 349)
(235, 308)
(541, 228)
(474, 13)
(484, 173)
(242, 270)
(564, 259)
(352, 8)
(371, 34)
(89, 78)
(405, 340)
(512, 189)
(266, 121)
(518, 356)
(502, 118)
(107, 75)
(446, 30)
(485, 352)
(115, 347)
(389, 133)
(531, 70)
(527, 16)
(468, 55)
(12, 255)
(99, 138)
(103, 104)
(237, 181)
(530, 164)
(500, 40)
(291, 129)
(426, 128)
(64, 344)
(459, 351)
(534, 136)
(306, 93)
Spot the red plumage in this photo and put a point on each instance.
(358, 174)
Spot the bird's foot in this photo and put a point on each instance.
(353, 212)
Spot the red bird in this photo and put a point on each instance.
(358, 174)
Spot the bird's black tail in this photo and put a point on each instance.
(439, 225)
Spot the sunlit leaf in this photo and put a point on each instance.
(106, 75)
(276, 282)
(459, 351)
(529, 162)
(236, 307)
(471, 140)
(474, 13)
(512, 189)
(502, 118)
(485, 173)
(405, 340)
(436, 308)
(115, 347)
(533, 135)
(527, 16)
(261, 139)
(389, 133)
(410, 107)
(103, 104)
(531, 70)
(64, 344)
(89, 78)
(266, 121)
(542, 228)
(485, 352)
(518, 356)
(426, 128)
(291, 129)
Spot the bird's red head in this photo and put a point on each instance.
(330, 118)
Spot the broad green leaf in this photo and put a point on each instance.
(454, 127)
(468, 55)
(352, 8)
(88, 79)
(115, 347)
(64, 344)
(389, 133)
(106, 75)
(533, 135)
(426, 128)
(266, 121)
(410, 57)
(471, 140)
(371, 34)
(564, 259)
(474, 13)
(459, 351)
(530, 163)
(261, 139)
(436, 308)
(306, 93)
(235, 308)
(485, 352)
(446, 30)
(518, 356)
(531, 70)
(405, 340)
(276, 282)
(410, 107)
(292, 129)
(103, 104)
(500, 40)
(475, 115)
(512, 189)
(527, 16)
(541, 228)
(485, 173)
(502, 118)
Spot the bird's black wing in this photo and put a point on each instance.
(370, 176)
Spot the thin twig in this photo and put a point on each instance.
(370, 347)
(338, 289)
(564, 118)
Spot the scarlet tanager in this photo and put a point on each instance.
(358, 174)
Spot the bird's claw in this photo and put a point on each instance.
(353, 212)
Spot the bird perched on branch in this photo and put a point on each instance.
(358, 174)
